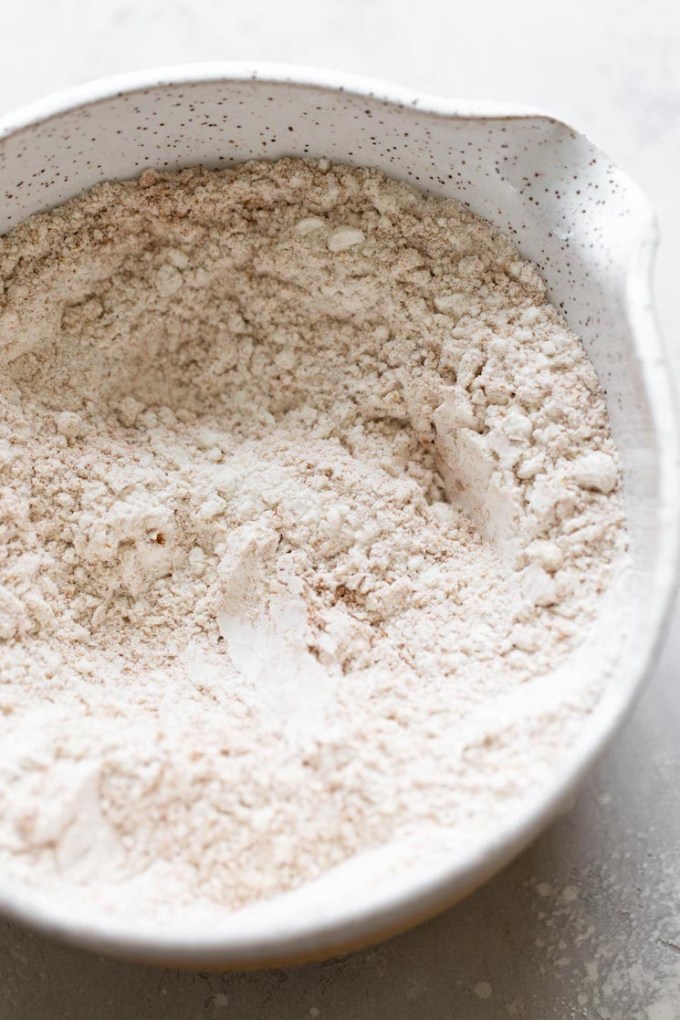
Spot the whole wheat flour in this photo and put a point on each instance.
(305, 494)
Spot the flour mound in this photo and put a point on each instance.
(303, 484)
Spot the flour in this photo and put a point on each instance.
(306, 492)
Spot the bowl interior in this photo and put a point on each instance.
(567, 208)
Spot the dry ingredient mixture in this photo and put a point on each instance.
(302, 482)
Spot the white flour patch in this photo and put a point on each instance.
(306, 498)
(612, 933)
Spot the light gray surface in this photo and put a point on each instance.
(587, 923)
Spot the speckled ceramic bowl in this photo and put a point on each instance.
(581, 219)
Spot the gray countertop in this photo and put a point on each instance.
(586, 924)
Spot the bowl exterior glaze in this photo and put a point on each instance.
(567, 207)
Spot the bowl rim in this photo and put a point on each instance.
(100, 89)
(355, 926)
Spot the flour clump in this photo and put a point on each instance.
(303, 486)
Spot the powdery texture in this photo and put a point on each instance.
(302, 481)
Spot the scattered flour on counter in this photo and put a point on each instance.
(302, 482)
(608, 941)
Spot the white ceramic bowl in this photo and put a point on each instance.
(568, 208)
